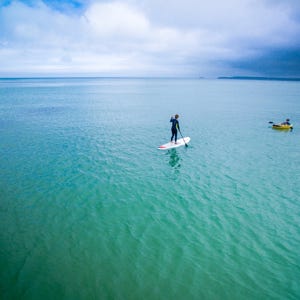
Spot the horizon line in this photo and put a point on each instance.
(154, 77)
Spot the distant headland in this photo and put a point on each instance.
(260, 78)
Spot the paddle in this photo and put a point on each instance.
(270, 122)
(182, 138)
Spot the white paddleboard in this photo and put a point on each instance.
(171, 145)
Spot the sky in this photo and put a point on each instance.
(155, 38)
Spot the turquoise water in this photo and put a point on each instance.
(90, 209)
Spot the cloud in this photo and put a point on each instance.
(132, 38)
(117, 19)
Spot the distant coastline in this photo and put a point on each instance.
(260, 78)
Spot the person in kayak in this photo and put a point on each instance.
(287, 122)
(175, 127)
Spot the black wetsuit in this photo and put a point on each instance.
(175, 126)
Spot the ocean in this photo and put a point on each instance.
(91, 209)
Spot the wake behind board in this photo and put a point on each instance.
(170, 145)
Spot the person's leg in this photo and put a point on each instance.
(175, 136)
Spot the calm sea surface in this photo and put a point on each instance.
(91, 209)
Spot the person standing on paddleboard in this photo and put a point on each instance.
(175, 127)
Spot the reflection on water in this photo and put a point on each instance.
(174, 161)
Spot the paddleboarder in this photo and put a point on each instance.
(175, 127)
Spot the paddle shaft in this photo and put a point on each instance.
(182, 138)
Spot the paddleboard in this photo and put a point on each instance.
(171, 145)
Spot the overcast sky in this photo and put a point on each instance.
(196, 38)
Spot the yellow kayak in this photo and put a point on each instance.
(282, 126)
